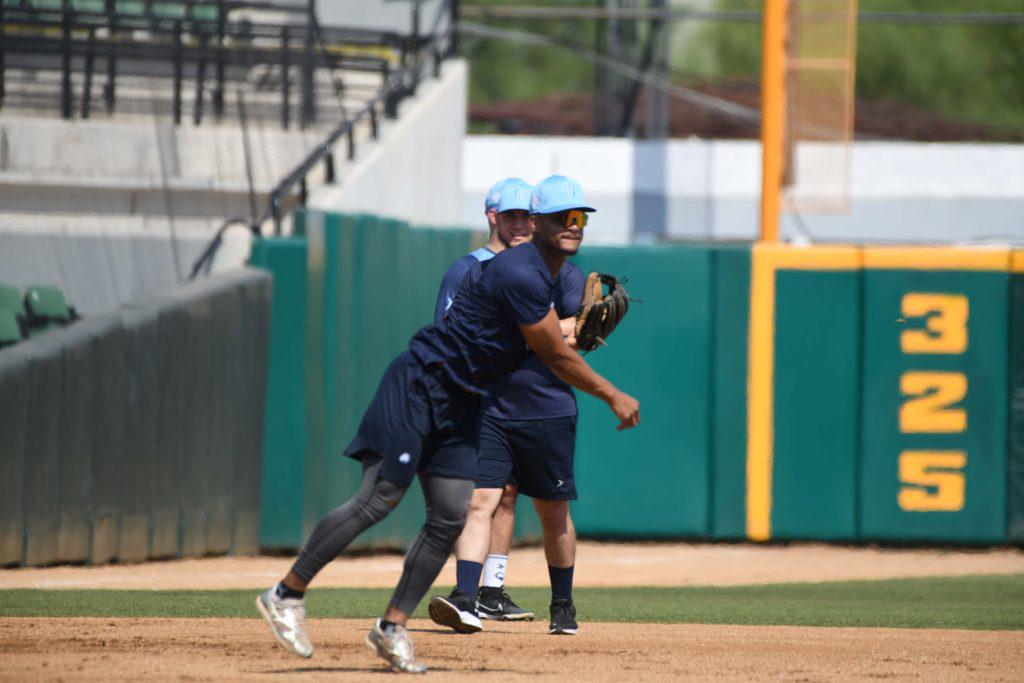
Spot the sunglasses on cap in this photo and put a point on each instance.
(572, 217)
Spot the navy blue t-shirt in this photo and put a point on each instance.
(450, 281)
(479, 340)
(533, 391)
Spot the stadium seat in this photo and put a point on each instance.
(10, 330)
(46, 308)
(10, 300)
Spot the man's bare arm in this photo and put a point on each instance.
(545, 338)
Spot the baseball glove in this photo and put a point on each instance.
(600, 313)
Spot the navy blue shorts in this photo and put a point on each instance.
(420, 421)
(536, 456)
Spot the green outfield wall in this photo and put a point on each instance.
(829, 393)
(137, 434)
(1015, 470)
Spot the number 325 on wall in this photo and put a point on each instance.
(933, 480)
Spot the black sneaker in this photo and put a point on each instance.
(563, 618)
(456, 611)
(494, 603)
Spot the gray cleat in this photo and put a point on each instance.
(394, 648)
(287, 619)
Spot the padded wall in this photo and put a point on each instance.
(137, 434)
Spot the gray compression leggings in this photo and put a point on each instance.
(447, 501)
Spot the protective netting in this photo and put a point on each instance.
(820, 60)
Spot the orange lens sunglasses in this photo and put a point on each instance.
(574, 217)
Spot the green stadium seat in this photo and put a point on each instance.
(131, 7)
(10, 330)
(46, 308)
(10, 300)
(169, 10)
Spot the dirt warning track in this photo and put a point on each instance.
(597, 564)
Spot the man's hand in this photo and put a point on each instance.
(545, 338)
(626, 408)
(568, 326)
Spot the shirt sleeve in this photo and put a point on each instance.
(570, 295)
(449, 285)
(524, 293)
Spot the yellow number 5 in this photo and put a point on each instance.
(929, 411)
(933, 481)
(945, 323)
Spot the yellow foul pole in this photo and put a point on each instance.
(773, 114)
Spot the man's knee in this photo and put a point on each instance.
(552, 512)
(484, 502)
(381, 500)
(507, 503)
(447, 513)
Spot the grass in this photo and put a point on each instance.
(966, 602)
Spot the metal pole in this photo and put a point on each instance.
(773, 115)
(177, 73)
(243, 119)
(656, 99)
(414, 41)
(87, 84)
(453, 29)
(110, 87)
(329, 168)
(218, 93)
(65, 60)
(600, 112)
(308, 96)
(197, 110)
(285, 82)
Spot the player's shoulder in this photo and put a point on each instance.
(480, 255)
(570, 269)
(519, 255)
(459, 268)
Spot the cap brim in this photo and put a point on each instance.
(566, 207)
(513, 208)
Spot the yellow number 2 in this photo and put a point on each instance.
(930, 412)
(933, 481)
(945, 323)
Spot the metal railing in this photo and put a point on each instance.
(193, 40)
(292, 190)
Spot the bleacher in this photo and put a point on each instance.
(38, 310)
(68, 58)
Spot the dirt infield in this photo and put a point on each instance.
(597, 564)
(241, 649)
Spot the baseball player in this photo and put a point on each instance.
(527, 438)
(425, 420)
(508, 229)
(499, 239)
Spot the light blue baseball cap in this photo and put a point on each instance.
(515, 194)
(494, 194)
(557, 193)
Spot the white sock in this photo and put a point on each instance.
(494, 570)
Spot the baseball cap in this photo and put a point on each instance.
(515, 194)
(557, 193)
(494, 194)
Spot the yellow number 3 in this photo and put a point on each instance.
(945, 323)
